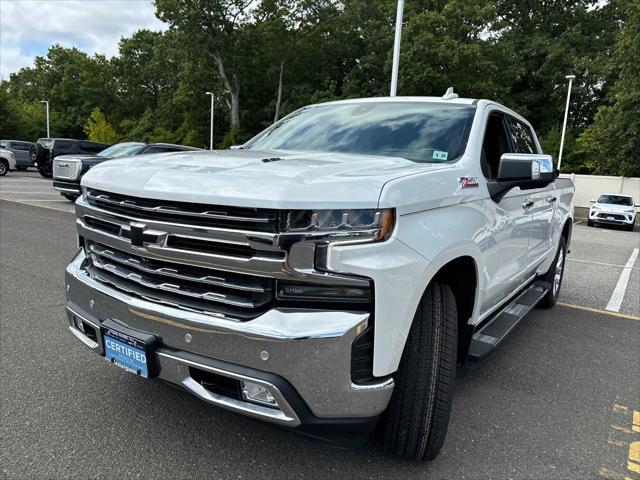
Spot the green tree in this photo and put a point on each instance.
(99, 130)
(613, 140)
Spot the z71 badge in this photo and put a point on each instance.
(468, 182)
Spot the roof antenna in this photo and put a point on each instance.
(450, 95)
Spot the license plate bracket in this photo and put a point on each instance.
(130, 349)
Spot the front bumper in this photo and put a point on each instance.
(306, 366)
(67, 186)
(612, 218)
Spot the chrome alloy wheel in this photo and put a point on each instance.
(557, 277)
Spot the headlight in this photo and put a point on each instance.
(377, 224)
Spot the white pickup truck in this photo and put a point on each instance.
(329, 274)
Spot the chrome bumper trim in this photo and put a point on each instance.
(68, 190)
(83, 338)
(309, 349)
(283, 415)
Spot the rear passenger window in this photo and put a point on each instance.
(20, 146)
(157, 150)
(63, 145)
(522, 137)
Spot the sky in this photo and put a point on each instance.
(29, 27)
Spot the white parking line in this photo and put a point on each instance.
(36, 192)
(618, 293)
(42, 200)
(598, 263)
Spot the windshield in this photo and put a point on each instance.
(616, 200)
(122, 150)
(417, 131)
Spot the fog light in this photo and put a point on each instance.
(78, 323)
(255, 393)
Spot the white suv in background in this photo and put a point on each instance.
(7, 161)
(613, 209)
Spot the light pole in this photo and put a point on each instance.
(46, 102)
(213, 105)
(396, 49)
(564, 124)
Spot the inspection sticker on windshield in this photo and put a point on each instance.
(440, 155)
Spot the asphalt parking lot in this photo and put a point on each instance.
(556, 400)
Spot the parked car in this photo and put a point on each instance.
(20, 150)
(69, 169)
(329, 274)
(7, 162)
(45, 150)
(613, 209)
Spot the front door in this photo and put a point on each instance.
(506, 249)
(542, 200)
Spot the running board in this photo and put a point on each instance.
(491, 334)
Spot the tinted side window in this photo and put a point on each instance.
(20, 146)
(522, 137)
(157, 150)
(63, 145)
(494, 145)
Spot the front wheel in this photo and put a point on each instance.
(554, 276)
(4, 168)
(418, 414)
(590, 223)
(45, 172)
(72, 197)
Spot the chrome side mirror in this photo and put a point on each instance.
(523, 170)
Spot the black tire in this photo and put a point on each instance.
(550, 299)
(4, 167)
(45, 171)
(70, 196)
(418, 414)
(590, 223)
(629, 228)
(37, 153)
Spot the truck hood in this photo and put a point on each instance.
(255, 178)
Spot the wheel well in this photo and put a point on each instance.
(461, 275)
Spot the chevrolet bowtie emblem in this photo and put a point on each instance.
(140, 235)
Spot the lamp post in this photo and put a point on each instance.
(46, 102)
(396, 49)
(566, 115)
(212, 95)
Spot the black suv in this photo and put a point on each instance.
(69, 169)
(45, 150)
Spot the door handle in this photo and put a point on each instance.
(551, 199)
(527, 204)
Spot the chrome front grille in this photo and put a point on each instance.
(192, 288)
(256, 219)
(221, 261)
(66, 169)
